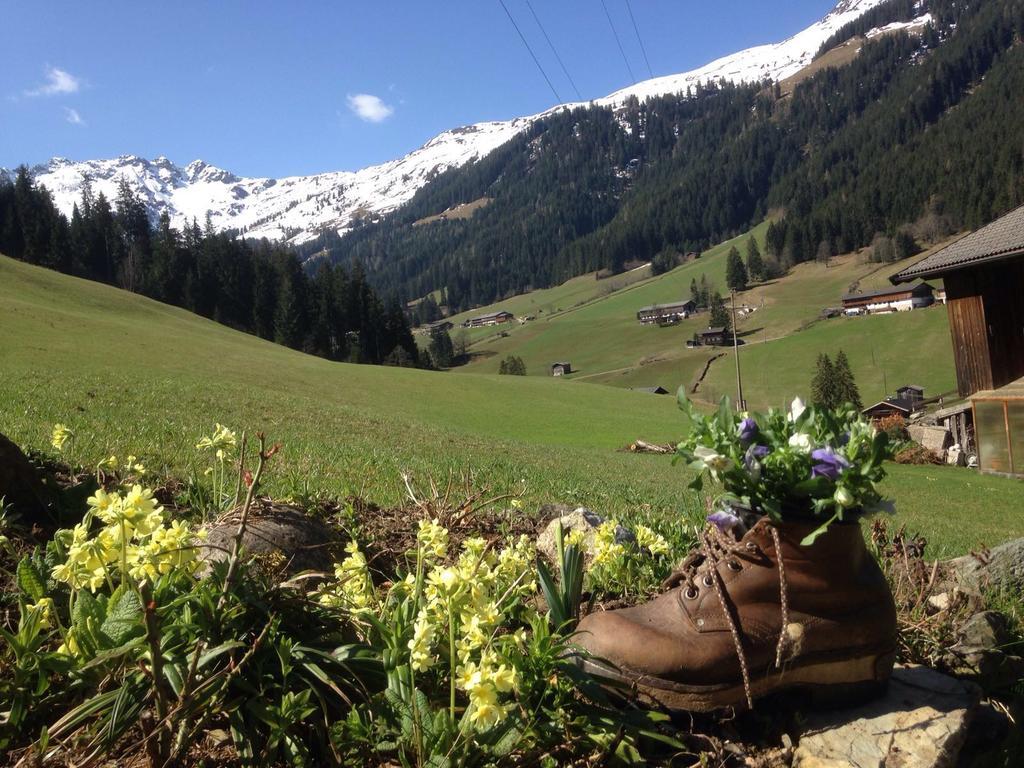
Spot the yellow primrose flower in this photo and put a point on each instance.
(45, 610)
(487, 711)
(108, 463)
(221, 438)
(651, 541)
(446, 581)
(433, 537)
(505, 679)
(60, 436)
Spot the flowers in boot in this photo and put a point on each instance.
(807, 462)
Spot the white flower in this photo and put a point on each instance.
(712, 459)
(796, 408)
(843, 497)
(800, 442)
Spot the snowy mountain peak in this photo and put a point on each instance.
(298, 208)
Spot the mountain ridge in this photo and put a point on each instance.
(297, 209)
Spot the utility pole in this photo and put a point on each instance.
(740, 403)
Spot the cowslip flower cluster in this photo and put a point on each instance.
(221, 440)
(60, 436)
(353, 589)
(651, 541)
(134, 536)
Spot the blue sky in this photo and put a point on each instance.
(281, 88)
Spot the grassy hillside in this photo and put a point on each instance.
(783, 336)
(132, 375)
(602, 335)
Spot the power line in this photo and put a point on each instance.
(552, 45)
(637, 30)
(618, 42)
(532, 56)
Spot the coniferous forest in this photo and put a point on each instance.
(849, 156)
(251, 286)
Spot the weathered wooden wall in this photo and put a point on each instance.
(986, 322)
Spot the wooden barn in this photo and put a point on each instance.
(983, 275)
(561, 368)
(900, 299)
(665, 314)
(714, 337)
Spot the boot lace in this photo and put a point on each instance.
(716, 547)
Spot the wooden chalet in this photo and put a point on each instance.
(714, 337)
(665, 314)
(438, 326)
(898, 299)
(491, 318)
(983, 275)
(560, 369)
(891, 406)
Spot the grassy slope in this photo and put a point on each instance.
(602, 336)
(133, 375)
(129, 374)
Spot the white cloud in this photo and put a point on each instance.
(72, 116)
(370, 108)
(57, 81)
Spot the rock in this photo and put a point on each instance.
(941, 601)
(985, 630)
(22, 488)
(579, 519)
(1001, 568)
(921, 722)
(980, 653)
(303, 542)
(934, 438)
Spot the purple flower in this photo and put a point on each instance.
(830, 464)
(724, 520)
(748, 430)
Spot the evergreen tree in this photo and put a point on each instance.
(755, 264)
(441, 349)
(719, 313)
(735, 271)
(846, 385)
(824, 389)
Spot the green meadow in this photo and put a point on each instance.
(131, 375)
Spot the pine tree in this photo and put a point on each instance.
(735, 271)
(846, 385)
(441, 349)
(755, 264)
(824, 391)
(719, 313)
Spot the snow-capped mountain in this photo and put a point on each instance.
(298, 208)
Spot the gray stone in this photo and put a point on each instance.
(303, 542)
(987, 630)
(921, 722)
(580, 519)
(1001, 568)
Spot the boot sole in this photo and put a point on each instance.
(825, 683)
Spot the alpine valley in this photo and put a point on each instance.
(831, 133)
(299, 208)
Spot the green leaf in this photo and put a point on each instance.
(221, 649)
(124, 616)
(30, 580)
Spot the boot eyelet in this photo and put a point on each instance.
(734, 566)
(691, 593)
(751, 546)
(708, 581)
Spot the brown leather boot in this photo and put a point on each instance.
(819, 617)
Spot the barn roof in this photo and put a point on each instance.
(1003, 238)
(669, 305)
(711, 331)
(918, 286)
(900, 403)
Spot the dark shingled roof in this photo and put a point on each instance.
(1002, 238)
(917, 287)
